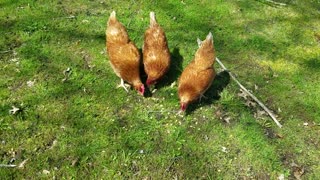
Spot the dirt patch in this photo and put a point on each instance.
(296, 170)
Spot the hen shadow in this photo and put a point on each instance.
(174, 71)
(220, 82)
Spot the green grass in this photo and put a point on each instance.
(86, 128)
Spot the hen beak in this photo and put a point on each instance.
(141, 90)
(149, 82)
(183, 106)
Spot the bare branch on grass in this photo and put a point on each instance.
(251, 95)
(3, 52)
(21, 165)
(7, 165)
(276, 3)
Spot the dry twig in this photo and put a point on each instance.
(8, 165)
(276, 3)
(251, 95)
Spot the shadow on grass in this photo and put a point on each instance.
(220, 82)
(143, 75)
(312, 64)
(172, 74)
(174, 71)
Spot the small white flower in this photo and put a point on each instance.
(46, 172)
(30, 83)
(224, 149)
(281, 177)
(14, 110)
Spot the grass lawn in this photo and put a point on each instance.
(73, 122)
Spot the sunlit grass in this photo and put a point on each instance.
(83, 126)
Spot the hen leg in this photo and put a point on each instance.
(202, 96)
(122, 84)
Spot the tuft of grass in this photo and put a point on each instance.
(79, 125)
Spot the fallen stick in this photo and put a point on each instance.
(276, 3)
(251, 95)
(3, 52)
(8, 165)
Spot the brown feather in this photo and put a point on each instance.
(197, 77)
(123, 54)
(156, 55)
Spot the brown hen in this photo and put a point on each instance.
(197, 77)
(156, 55)
(123, 54)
